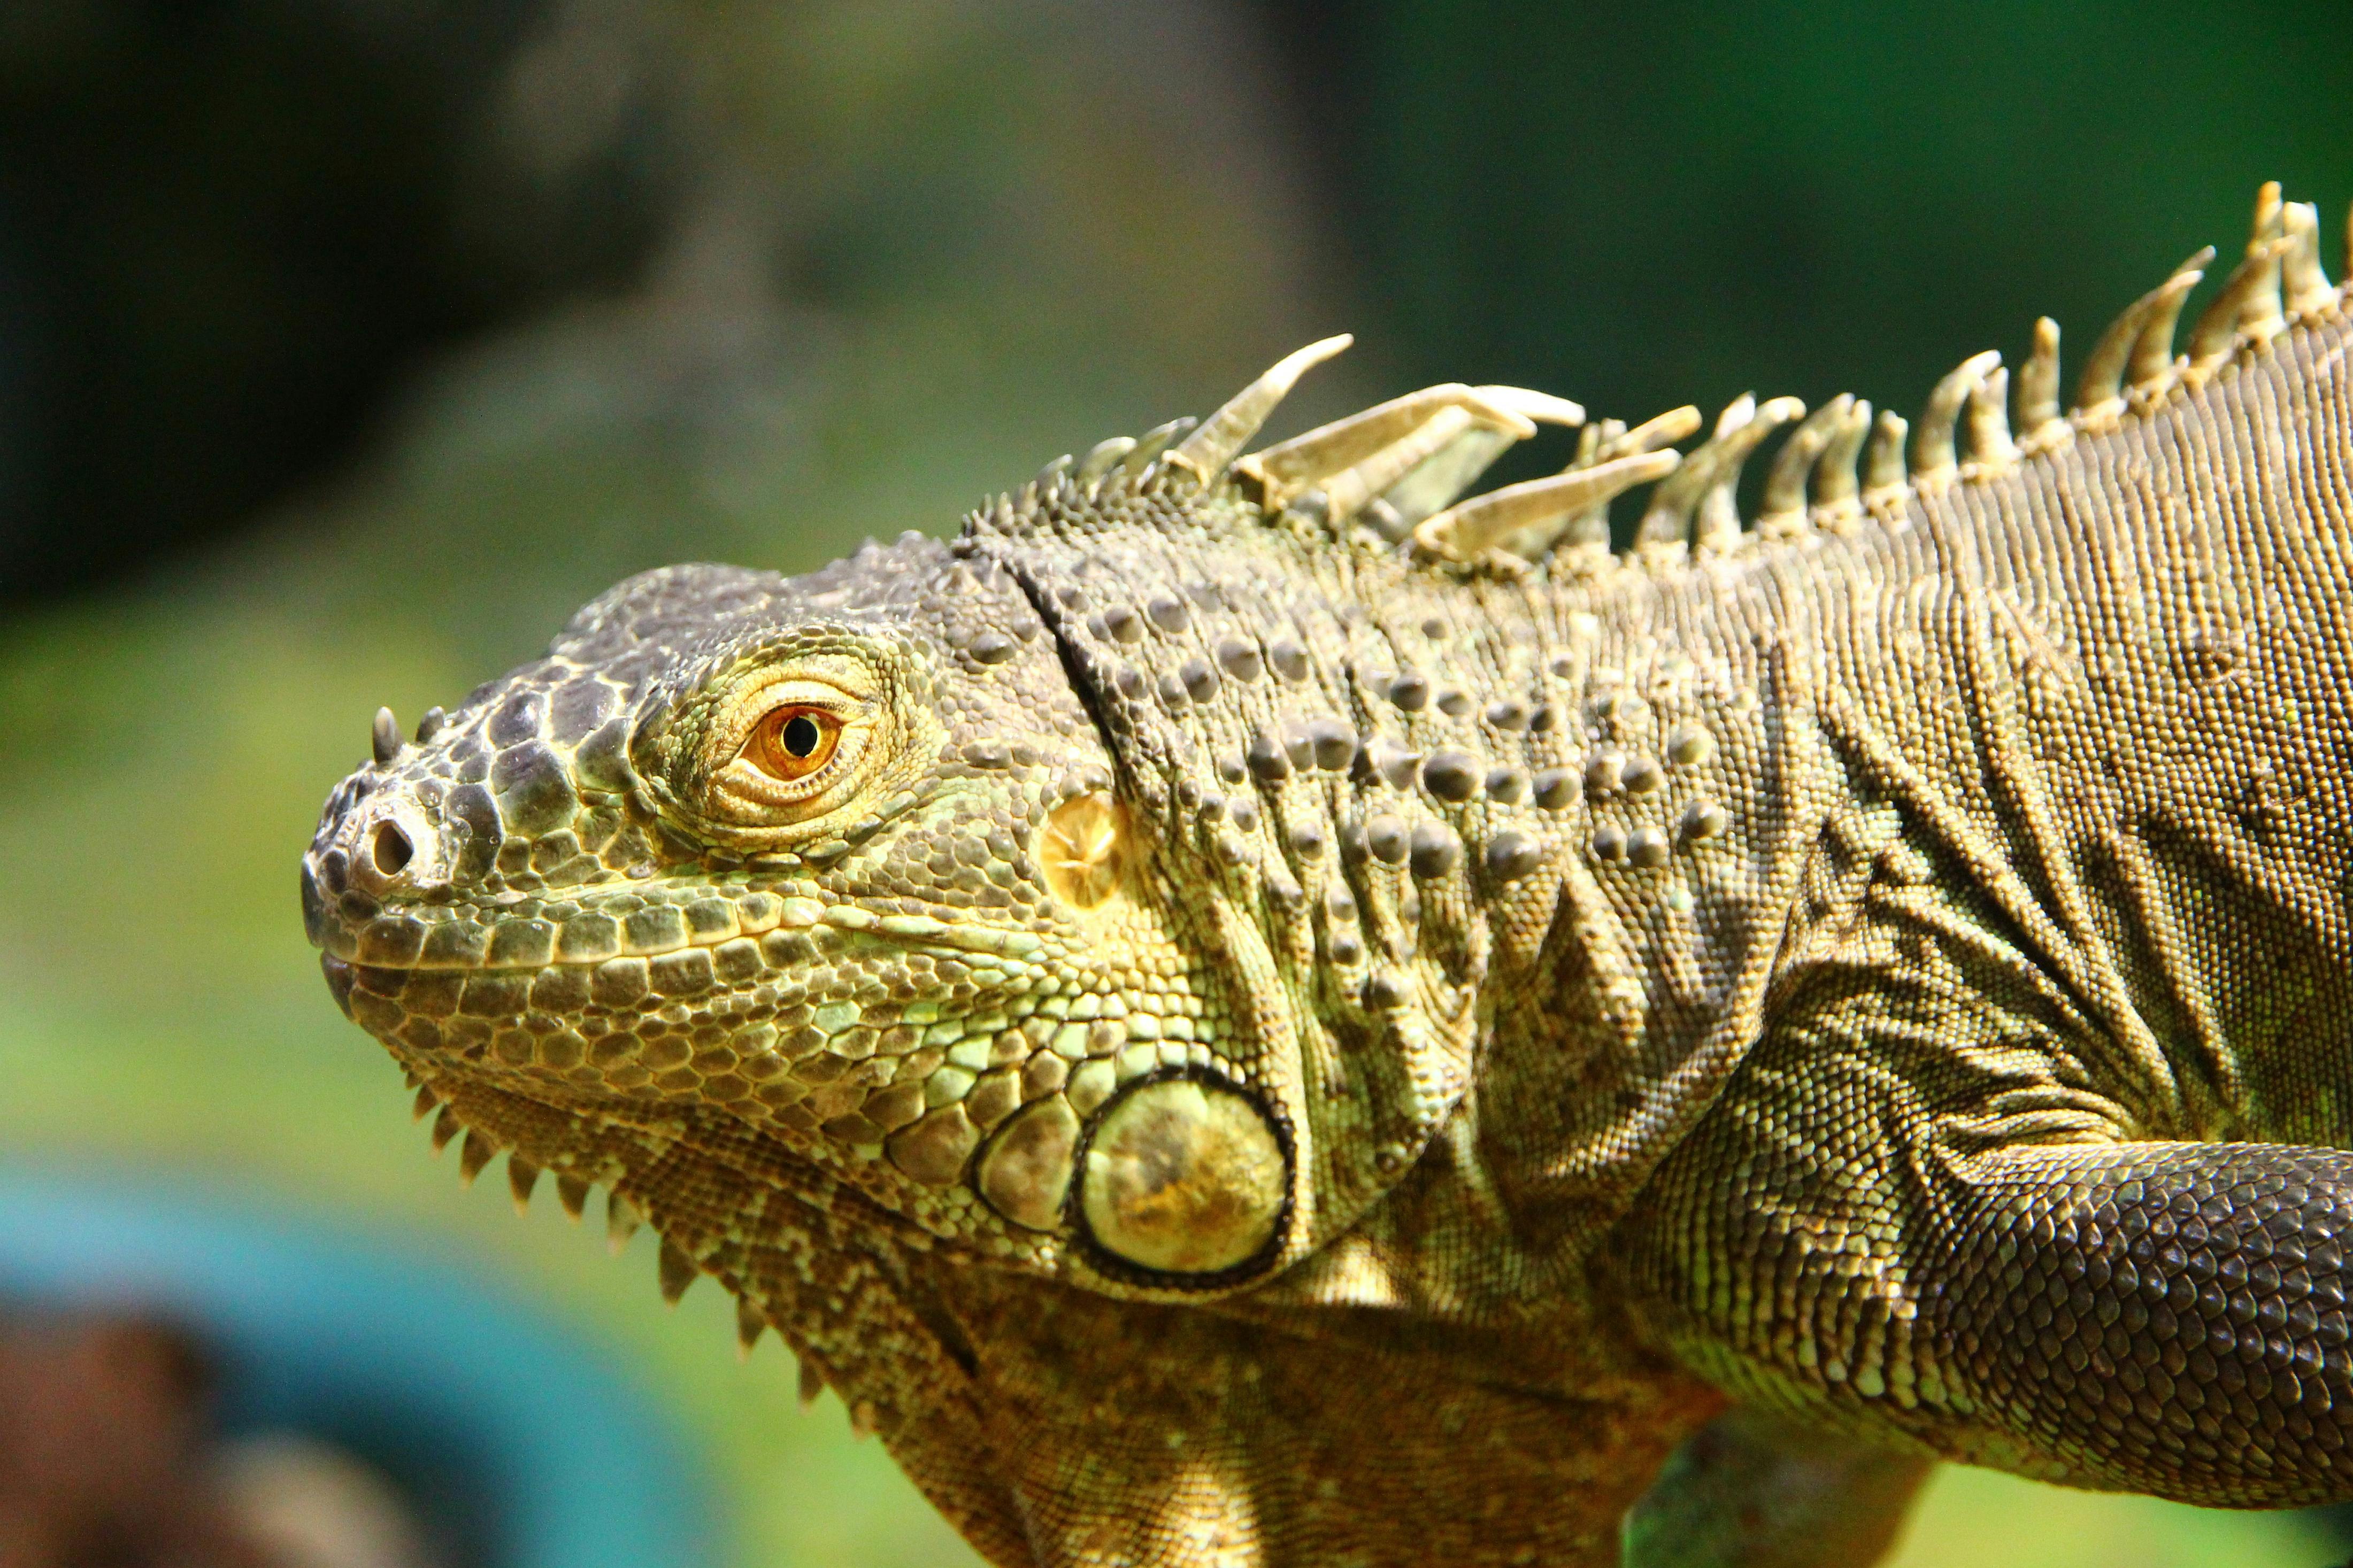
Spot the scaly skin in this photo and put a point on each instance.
(1262, 1044)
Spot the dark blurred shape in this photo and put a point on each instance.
(110, 1458)
(369, 1398)
(229, 227)
(102, 1441)
(104, 1447)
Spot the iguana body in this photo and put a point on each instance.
(1228, 1038)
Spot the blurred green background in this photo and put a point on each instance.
(347, 345)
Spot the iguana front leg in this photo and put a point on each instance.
(2166, 1318)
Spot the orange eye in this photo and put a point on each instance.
(794, 742)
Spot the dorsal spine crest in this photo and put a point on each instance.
(1392, 478)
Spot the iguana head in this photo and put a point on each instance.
(1001, 881)
(841, 859)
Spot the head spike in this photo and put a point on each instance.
(1394, 440)
(2308, 287)
(2259, 317)
(383, 738)
(1588, 527)
(523, 1180)
(1448, 434)
(1716, 522)
(572, 1192)
(2250, 292)
(1882, 461)
(1783, 506)
(473, 1155)
(675, 1269)
(446, 1126)
(1668, 430)
(812, 1381)
(1470, 528)
(1434, 483)
(2039, 419)
(1102, 457)
(1284, 469)
(1932, 444)
(2099, 396)
(1988, 448)
(1536, 407)
(1455, 467)
(1668, 522)
(1153, 442)
(621, 1221)
(2266, 224)
(1835, 506)
(1715, 518)
(425, 1103)
(2151, 368)
(750, 1324)
(1207, 451)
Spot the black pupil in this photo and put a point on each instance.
(801, 735)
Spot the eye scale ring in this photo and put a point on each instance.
(793, 741)
(771, 747)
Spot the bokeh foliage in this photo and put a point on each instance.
(1644, 206)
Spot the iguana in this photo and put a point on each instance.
(1250, 1009)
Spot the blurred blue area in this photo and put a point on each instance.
(517, 1443)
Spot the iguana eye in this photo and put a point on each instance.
(792, 748)
(793, 743)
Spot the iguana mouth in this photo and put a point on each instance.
(526, 934)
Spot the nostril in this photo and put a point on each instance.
(389, 848)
